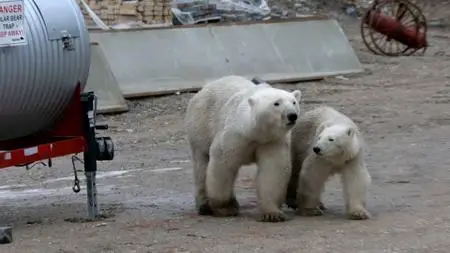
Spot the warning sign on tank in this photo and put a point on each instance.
(12, 23)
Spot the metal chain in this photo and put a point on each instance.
(76, 182)
(29, 166)
(95, 110)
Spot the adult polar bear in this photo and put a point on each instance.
(324, 142)
(232, 122)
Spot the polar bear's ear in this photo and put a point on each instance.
(251, 101)
(350, 131)
(297, 94)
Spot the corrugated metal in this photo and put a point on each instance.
(37, 81)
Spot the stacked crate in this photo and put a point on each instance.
(94, 7)
(154, 11)
(117, 11)
(109, 11)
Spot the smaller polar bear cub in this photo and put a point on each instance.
(233, 122)
(326, 142)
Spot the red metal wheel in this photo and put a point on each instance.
(366, 36)
(394, 28)
(421, 28)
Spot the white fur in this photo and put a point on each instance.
(341, 151)
(232, 122)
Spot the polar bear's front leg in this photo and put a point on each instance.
(220, 179)
(274, 171)
(313, 176)
(291, 196)
(355, 180)
(200, 162)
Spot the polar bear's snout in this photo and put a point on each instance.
(292, 118)
(290, 114)
(317, 150)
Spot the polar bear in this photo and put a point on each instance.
(325, 142)
(232, 122)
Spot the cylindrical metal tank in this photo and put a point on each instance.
(38, 78)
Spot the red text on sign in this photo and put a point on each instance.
(11, 33)
(12, 8)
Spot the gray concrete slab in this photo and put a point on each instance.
(101, 80)
(158, 61)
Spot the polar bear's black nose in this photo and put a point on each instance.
(292, 117)
(316, 150)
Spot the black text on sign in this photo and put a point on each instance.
(10, 14)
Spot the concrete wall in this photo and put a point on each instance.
(159, 61)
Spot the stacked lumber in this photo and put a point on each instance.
(113, 12)
(154, 11)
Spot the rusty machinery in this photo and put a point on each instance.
(394, 28)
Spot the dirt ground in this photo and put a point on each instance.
(146, 192)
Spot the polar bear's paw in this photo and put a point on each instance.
(273, 217)
(291, 203)
(322, 206)
(230, 208)
(204, 209)
(359, 214)
(316, 211)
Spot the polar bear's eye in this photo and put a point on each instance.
(294, 103)
(276, 104)
(330, 139)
